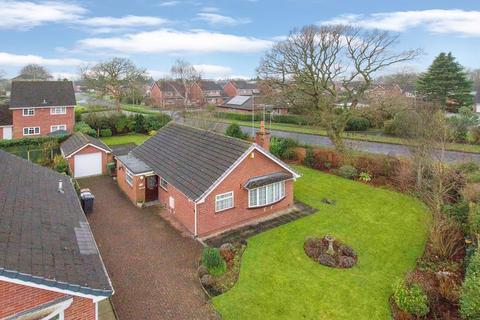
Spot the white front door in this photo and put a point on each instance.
(89, 164)
(7, 133)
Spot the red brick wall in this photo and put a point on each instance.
(210, 222)
(42, 119)
(184, 208)
(106, 157)
(196, 95)
(136, 192)
(230, 90)
(1, 133)
(156, 95)
(15, 298)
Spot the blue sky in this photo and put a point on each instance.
(221, 38)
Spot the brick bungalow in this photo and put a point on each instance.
(241, 88)
(50, 267)
(166, 94)
(6, 123)
(206, 92)
(40, 108)
(207, 181)
(86, 155)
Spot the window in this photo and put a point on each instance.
(31, 131)
(28, 112)
(58, 110)
(266, 195)
(223, 201)
(163, 184)
(58, 127)
(129, 177)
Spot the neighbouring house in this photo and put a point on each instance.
(241, 88)
(208, 182)
(206, 92)
(86, 155)
(50, 266)
(6, 123)
(166, 94)
(40, 108)
(247, 104)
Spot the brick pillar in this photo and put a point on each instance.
(262, 137)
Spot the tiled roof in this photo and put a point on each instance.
(242, 84)
(41, 94)
(44, 235)
(135, 165)
(79, 140)
(5, 116)
(190, 159)
(209, 85)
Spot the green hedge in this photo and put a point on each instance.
(470, 294)
(284, 118)
(30, 141)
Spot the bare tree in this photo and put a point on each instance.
(186, 74)
(113, 77)
(324, 71)
(34, 72)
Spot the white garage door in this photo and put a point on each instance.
(89, 164)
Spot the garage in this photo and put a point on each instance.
(86, 155)
(86, 165)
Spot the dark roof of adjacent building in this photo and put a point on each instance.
(135, 165)
(209, 85)
(243, 84)
(45, 237)
(5, 116)
(165, 86)
(190, 159)
(123, 149)
(260, 181)
(42, 94)
(79, 140)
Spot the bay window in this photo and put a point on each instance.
(265, 195)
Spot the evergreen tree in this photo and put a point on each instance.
(446, 82)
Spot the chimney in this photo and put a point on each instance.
(60, 186)
(262, 137)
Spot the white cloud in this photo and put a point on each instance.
(213, 71)
(218, 19)
(8, 59)
(173, 41)
(169, 3)
(210, 9)
(126, 21)
(461, 22)
(29, 14)
(65, 75)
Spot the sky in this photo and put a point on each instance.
(222, 39)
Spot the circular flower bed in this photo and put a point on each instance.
(330, 252)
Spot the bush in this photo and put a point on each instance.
(470, 293)
(156, 122)
(469, 167)
(105, 133)
(475, 135)
(138, 123)
(123, 124)
(85, 129)
(60, 164)
(213, 261)
(401, 125)
(410, 299)
(446, 239)
(348, 172)
(458, 211)
(365, 177)
(283, 147)
(309, 160)
(473, 221)
(235, 131)
(471, 192)
(357, 124)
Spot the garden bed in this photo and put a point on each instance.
(330, 252)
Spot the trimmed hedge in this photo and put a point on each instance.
(280, 118)
(357, 124)
(470, 294)
(30, 141)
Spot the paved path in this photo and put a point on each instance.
(151, 265)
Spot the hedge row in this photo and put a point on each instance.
(279, 118)
(30, 141)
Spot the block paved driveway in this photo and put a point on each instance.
(151, 265)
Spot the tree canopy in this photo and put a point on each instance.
(34, 72)
(446, 82)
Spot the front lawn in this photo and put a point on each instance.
(277, 280)
(136, 138)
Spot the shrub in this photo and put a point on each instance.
(448, 288)
(357, 124)
(60, 164)
(348, 172)
(235, 131)
(473, 221)
(471, 192)
(365, 177)
(213, 261)
(85, 129)
(410, 299)
(326, 159)
(105, 133)
(138, 123)
(457, 211)
(155, 122)
(401, 125)
(473, 177)
(468, 167)
(470, 293)
(446, 238)
(279, 147)
(123, 124)
(309, 160)
(475, 135)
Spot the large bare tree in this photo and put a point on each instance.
(324, 71)
(113, 77)
(34, 72)
(185, 74)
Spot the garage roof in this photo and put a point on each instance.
(79, 140)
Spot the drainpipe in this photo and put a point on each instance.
(196, 221)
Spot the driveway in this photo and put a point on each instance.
(151, 265)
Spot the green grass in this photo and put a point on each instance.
(278, 281)
(138, 109)
(350, 135)
(136, 138)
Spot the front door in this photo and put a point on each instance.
(151, 191)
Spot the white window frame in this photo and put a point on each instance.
(223, 197)
(277, 194)
(129, 177)
(64, 126)
(28, 112)
(163, 184)
(35, 133)
(58, 110)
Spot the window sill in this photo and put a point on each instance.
(267, 205)
(224, 210)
